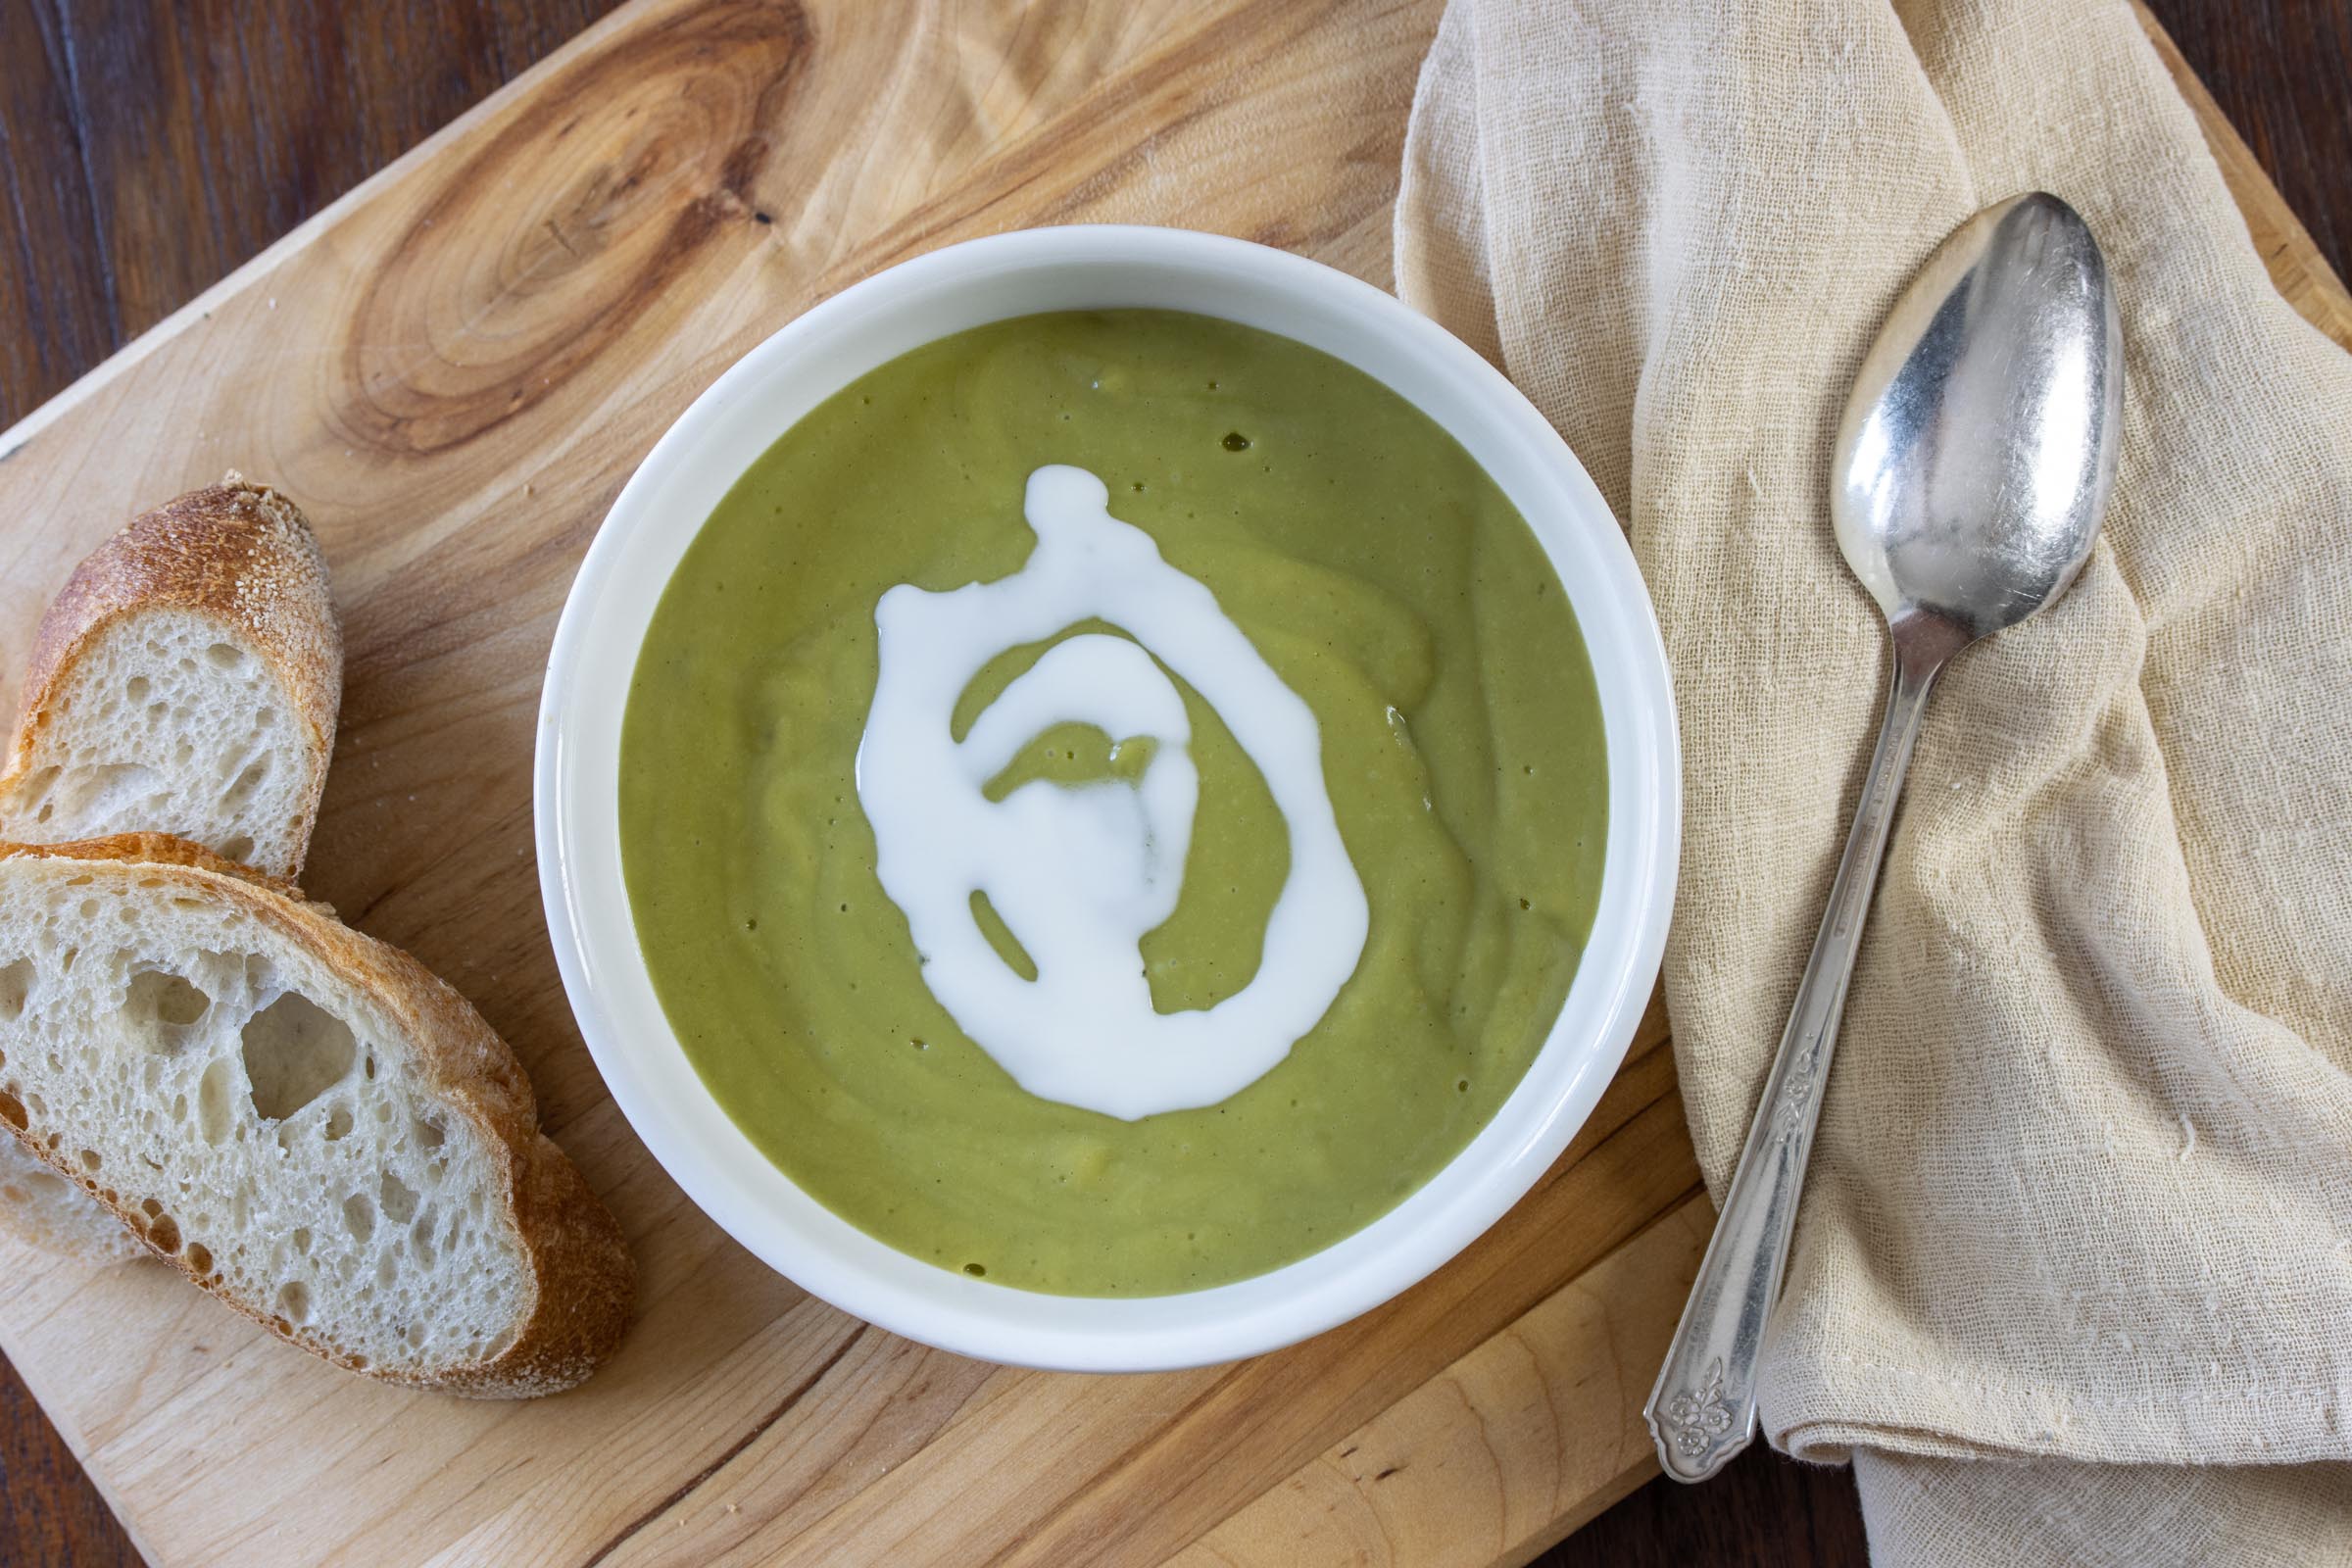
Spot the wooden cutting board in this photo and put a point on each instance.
(454, 369)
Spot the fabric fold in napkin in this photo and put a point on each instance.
(2074, 1278)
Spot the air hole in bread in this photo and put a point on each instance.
(12, 1110)
(301, 1239)
(136, 688)
(36, 787)
(428, 1133)
(294, 1302)
(359, 1216)
(225, 655)
(164, 1008)
(338, 1124)
(16, 985)
(90, 1159)
(97, 794)
(199, 1258)
(238, 847)
(167, 998)
(295, 1050)
(399, 1200)
(242, 791)
(215, 1092)
(165, 1233)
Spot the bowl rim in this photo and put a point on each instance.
(577, 829)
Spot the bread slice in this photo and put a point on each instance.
(185, 681)
(303, 1119)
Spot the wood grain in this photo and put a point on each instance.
(1503, 1452)
(454, 369)
(148, 147)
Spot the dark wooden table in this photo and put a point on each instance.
(148, 147)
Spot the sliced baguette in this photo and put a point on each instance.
(129, 720)
(303, 1120)
(186, 681)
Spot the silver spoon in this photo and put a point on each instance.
(1972, 463)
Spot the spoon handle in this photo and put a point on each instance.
(1703, 1410)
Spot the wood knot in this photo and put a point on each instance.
(547, 245)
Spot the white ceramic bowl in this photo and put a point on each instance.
(664, 504)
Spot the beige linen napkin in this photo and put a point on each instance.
(2079, 1219)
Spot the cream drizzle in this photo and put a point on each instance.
(1079, 874)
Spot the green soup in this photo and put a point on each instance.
(1381, 575)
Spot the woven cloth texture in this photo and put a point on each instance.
(2072, 1281)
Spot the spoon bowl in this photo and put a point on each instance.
(1979, 443)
